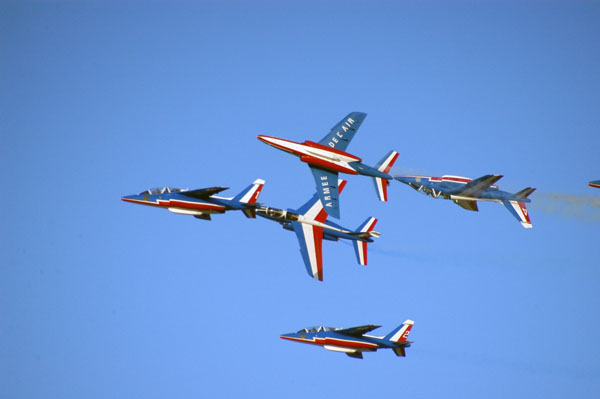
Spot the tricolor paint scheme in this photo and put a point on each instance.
(310, 224)
(327, 158)
(354, 341)
(595, 183)
(465, 192)
(200, 203)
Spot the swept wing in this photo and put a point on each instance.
(476, 187)
(203, 193)
(342, 133)
(357, 331)
(327, 188)
(310, 238)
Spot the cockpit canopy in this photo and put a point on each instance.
(316, 329)
(162, 190)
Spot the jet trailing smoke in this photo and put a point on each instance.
(582, 207)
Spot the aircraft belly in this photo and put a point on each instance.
(461, 198)
(185, 211)
(191, 205)
(337, 166)
(348, 343)
(339, 349)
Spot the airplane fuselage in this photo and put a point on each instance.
(323, 157)
(331, 230)
(183, 205)
(338, 342)
(449, 187)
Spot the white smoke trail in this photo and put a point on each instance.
(582, 207)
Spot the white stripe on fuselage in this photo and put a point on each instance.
(458, 197)
(302, 149)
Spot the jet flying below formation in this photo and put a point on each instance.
(200, 203)
(327, 158)
(354, 341)
(466, 192)
(310, 224)
(595, 183)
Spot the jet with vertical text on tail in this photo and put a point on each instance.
(328, 157)
(200, 203)
(595, 183)
(466, 192)
(354, 341)
(310, 224)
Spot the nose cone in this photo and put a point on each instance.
(261, 138)
(286, 336)
(130, 198)
(267, 139)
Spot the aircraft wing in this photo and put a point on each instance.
(475, 187)
(341, 134)
(203, 193)
(357, 331)
(327, 188)
(310, 238)
(313, 209)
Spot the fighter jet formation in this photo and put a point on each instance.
(326, 159)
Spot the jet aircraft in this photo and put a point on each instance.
(465, 192)
(354, 341)
(328, 157)
(595, 183)
(200, 203)
(310, 224)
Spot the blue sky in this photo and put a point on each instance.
(99, 298)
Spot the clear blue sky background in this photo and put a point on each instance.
(99, 298)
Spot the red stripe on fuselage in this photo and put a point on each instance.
(327, 165)
(333, 341)
(189, 205)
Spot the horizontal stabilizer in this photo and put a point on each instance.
(468, 205)
(357, 331)
(250, 212)
(356, 355)
(384, 166)
(400, 351)
(526, 192)
(365, 231)
(203, 193)
(475, 187)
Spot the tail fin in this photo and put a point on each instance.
(400, 334)
(360, 247)
(249, 196)
(519, 210)
(384, 166)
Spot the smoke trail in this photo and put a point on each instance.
(582, 207)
